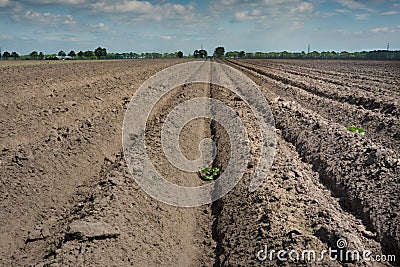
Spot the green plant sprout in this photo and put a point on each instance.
(354, 129)
(377, 91)
(210, 173)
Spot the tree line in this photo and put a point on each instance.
(376, 54)
(219, 52)
(98, 53)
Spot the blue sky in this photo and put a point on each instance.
(172, 25)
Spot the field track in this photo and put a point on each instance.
(62, 168)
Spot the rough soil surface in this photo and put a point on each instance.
(363, 173)
(68, 199)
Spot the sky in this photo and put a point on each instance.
(172, 25)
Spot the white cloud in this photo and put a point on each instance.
(346, 32)
(68, 20)
(343, 11)
(376, 30)
(48, 18)
(265, 13)
(55, 2)
(393, 12)
(304, 7)
(352, 4)
(61, 39)
(123, 7)
(167, 37)
(297, 25)
(99, 27)
(144, 9)
(382, 29)
(4, 3)
(228, 2)
(328, 14)
(363, 16)
(343, 32)
(6, 37)
(241, 16)
(254, 4)
(162, 37)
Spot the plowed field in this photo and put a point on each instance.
(68, 198)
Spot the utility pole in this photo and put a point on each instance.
(308, 49)
(387, 47)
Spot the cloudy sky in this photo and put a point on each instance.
(172, 25)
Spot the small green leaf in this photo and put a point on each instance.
(352, 128)
(209, 173)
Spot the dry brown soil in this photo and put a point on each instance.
(68, 199)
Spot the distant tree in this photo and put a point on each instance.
(100, 52)
(231, 54)
(219, 52)
(381, 54)
(249, 55)
(344, 54)
(314, 54)
(361, 54)
(196, 54)
(15, 55)
(156, 55)
(132, 55)
(285, 54)
(33, 54)
(6, 55)
(41, 55)
(118, 56)
(180, 54)
(327, 54)
(259, 55)
(242, 54)
(51, 57)
(80, 54)
(89, 54)
(62, 54)
(72, 53)
(203, 53)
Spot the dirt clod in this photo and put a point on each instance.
(91, 230)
